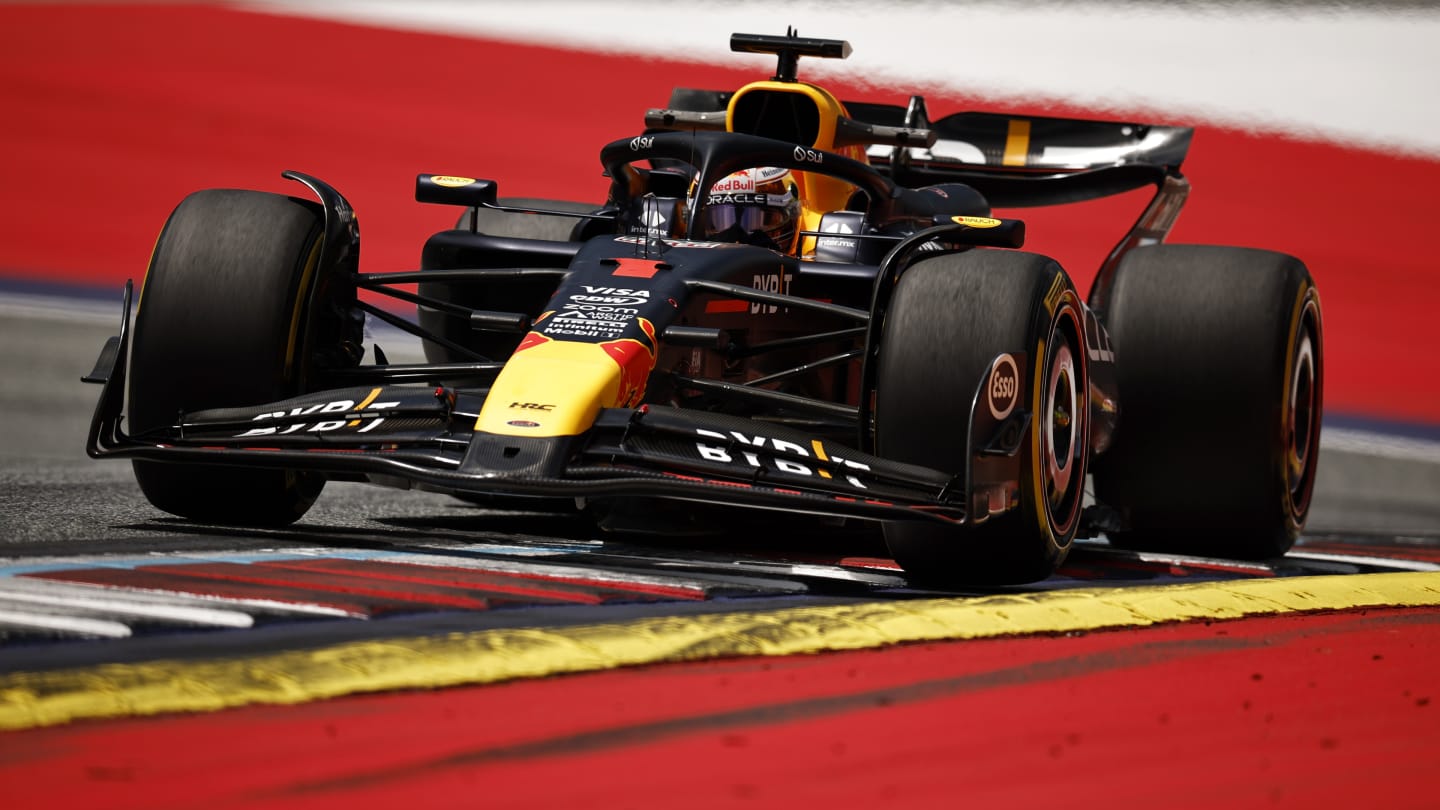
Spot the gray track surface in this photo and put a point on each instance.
(52, 496)
(1374, 494)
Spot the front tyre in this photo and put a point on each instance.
(223, 322)
(950, 317)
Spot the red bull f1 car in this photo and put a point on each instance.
(786, 304)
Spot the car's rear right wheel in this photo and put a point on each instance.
(1220, 371)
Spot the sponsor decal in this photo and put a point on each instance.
(522, 423)
(739, 181)
(654, 220)
(746, 198)
(607, 300)
(642, 142)
(611, 295)
(770, 282)
(977, 222)
(531, 406)
(743, 449)
(680, 243)
(1002, 391)
(451, 182)
(804, 155)
(577, 325)
(598, 312)
(362, 416)
(1056, 291)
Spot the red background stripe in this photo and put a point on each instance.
(1328, 711)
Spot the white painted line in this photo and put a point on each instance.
(561, 572)
(124, 607)
(1382, 445)
(59, 308)
(62, 624)
(1361, 559)
(835, 572)
(149, 596)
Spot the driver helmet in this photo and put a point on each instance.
(753, 206)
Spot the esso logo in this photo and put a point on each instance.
(809, 155)
(1003, 389)
(642, 142)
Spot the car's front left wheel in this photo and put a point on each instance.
(224, 321)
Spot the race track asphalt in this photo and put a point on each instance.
(1371, 483)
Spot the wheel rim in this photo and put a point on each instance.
(1301, 421)
(1061, 427)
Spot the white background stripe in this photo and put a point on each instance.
(1361, 75)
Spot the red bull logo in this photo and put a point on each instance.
(636, 358)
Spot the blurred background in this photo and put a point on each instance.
(1318, 126)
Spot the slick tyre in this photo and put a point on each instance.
(508, 296)
(950, 318)
(1219, 359)
(222, 322)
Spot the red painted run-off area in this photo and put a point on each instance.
(113, 113)
(1332, 711)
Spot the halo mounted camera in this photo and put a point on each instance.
(789, 48)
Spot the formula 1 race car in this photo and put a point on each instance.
(787, 304)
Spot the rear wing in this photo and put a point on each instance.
(1019, 161)
(1014, 161)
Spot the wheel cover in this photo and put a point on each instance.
(1061, 425)
(1301, 422)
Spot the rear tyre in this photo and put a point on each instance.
(950, 317)
(223, 322)
(1220, 371)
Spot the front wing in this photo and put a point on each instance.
(426, 438)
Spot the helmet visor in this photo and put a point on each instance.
(749, 218)
(751, 213)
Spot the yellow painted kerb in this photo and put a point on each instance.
(29, 700)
